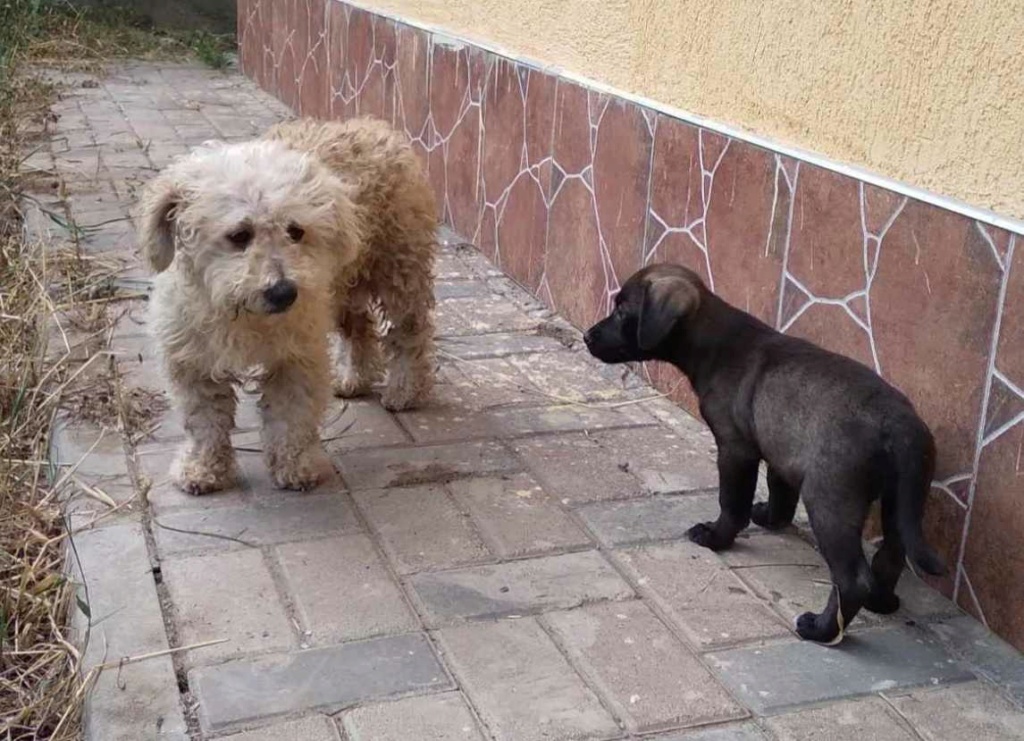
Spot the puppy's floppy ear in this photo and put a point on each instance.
(667, 299)
(162, 197)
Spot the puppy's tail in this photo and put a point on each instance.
(915, 464)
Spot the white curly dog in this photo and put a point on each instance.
(263, 248)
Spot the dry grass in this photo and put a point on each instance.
(58, 34)
(39, 678)
(54, 312)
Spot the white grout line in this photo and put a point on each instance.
(858, 173)
(1007, 382)
(974, 597)
(980, 442)
(791, 185)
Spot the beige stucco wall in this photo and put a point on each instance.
(929, 92)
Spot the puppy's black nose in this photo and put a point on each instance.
(281, 295)
(589, 337)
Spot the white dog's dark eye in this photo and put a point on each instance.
(240, 237)
(295, 232)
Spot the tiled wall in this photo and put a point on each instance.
(570, 191)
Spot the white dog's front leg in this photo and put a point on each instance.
(206, 462)
(294, 398)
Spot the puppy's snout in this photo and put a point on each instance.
(280, 295)
(590, 336)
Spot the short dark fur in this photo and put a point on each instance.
(830, 430)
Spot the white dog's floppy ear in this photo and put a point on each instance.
(667, 299)
(160, 201)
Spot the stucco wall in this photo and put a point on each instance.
(928, 92)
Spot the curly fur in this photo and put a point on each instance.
(339, 211)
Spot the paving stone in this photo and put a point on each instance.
(577, 469)
(135, 701)
(790, 575)
(359, 423)
(666, 462)
(448, 267)
(480, 384)
(458, 251)
(121, 592)
(342, 590)
(448, 290)
(429, 718)
(516, 516)
(569, 376)
(676, 417)
(497, 345)
(281, 518)
(124, 610)
(518, 587)
(87, 497)
(226, 595)
(698, 592)
(521, 685)
(969, 711)
(325, 679)
(91, 451)
(616, 646)
(636, 521)
(861, 720)
(421, 528)
(919, 600)
(984, 652)
(164, 496)
(731, 732)
(314, 728)
(776, 678)
(155, 461)
(481, 315)
(369, 469)
(458, 423)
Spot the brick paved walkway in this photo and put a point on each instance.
(506, 564)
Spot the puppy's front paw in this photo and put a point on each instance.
(705, 535)
(304, 471)
(808, 627)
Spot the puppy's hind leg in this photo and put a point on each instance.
(737, 480)
(362, 364)
(410, 345)
(887, 565)
(206, 462)
(838, 530)
(294, 397)
(779, 510)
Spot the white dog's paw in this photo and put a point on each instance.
(406, 393)
(196, 476)
(351, 388)
(303, 471)
(398, 398)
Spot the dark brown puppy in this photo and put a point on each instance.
(830, 430)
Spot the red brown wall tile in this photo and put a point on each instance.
(569, 191)
(516, 166)
(993, 558)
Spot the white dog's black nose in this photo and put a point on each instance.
(281, 295)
